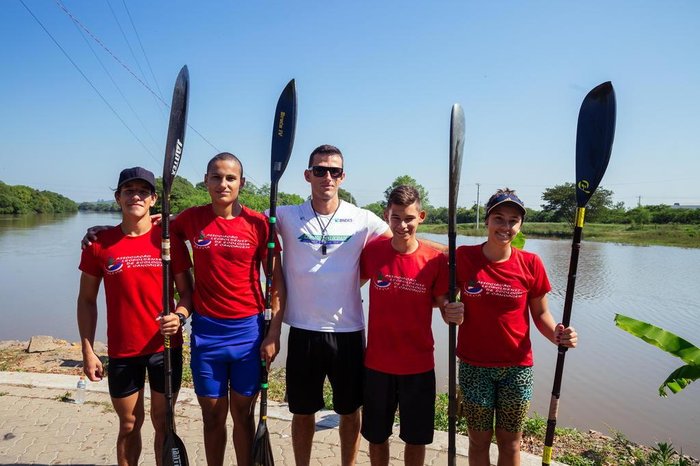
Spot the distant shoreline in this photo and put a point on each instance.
(672, 235)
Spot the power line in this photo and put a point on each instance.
(101, 44)
(138, 38)
(133, 55)
(87, 79)
(143, 125)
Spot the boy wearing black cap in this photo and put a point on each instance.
(501, 287)
(128, 258)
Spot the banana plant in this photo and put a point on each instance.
(671, 343)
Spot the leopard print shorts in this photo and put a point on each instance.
(503, 391)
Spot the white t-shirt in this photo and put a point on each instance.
(323, 291)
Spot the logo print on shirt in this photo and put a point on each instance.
(330, 239)
(381, 282)
(202, 241)
(473, 287)
(113, 265)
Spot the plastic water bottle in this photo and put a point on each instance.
(80, 391)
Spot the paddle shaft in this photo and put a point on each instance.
(452, 363)
(167, 359)
(561, 350)
(268, 294)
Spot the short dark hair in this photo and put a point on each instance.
(404, 195)
(325, 149)
(225, 156)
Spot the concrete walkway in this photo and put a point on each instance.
(37, 426)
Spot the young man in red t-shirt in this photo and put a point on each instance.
(229, 245)
(128, 259)
(407, 279)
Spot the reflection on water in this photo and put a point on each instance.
(39, 274)
(610, 381)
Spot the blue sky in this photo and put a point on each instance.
(377, 79)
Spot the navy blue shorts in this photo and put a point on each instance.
(226, 354)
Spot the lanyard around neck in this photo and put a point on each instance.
(323, 227)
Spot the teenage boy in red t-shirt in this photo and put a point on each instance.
(407, 279)
(128, 258)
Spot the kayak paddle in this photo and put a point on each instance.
(594, 139)
(283, 129)
(456, 150)
(174, 453)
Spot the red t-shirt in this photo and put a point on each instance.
(227, 257)
(132, 270)
(402, 288)
(496, 327)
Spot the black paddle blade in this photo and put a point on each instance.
(594, 140)
(456, 150)
(174, 453)
(262, 450)
(283, 130)
(176, 129)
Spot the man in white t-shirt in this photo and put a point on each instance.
(322, 240)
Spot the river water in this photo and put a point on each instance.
(610, 382)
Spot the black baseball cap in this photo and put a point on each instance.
(137, 173)
(505, 198)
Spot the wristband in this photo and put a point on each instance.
(182, 318)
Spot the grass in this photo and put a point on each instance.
(67, 397)
(686, 236)
(10, 359)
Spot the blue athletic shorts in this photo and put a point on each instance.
(226, 354)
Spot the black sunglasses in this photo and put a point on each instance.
(320, 171)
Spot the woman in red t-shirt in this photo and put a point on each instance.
(501, 287)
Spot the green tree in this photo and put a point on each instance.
(639, 216)
(25, 200)
(346, 196)
(560, 203)
(377, 208)
(407, 180)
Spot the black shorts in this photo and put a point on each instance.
(128, 375)
(413, 394)
(311, 356)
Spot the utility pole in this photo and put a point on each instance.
(639, 201)
(477, 205)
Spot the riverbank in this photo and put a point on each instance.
(48, 355)
(684, 236)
